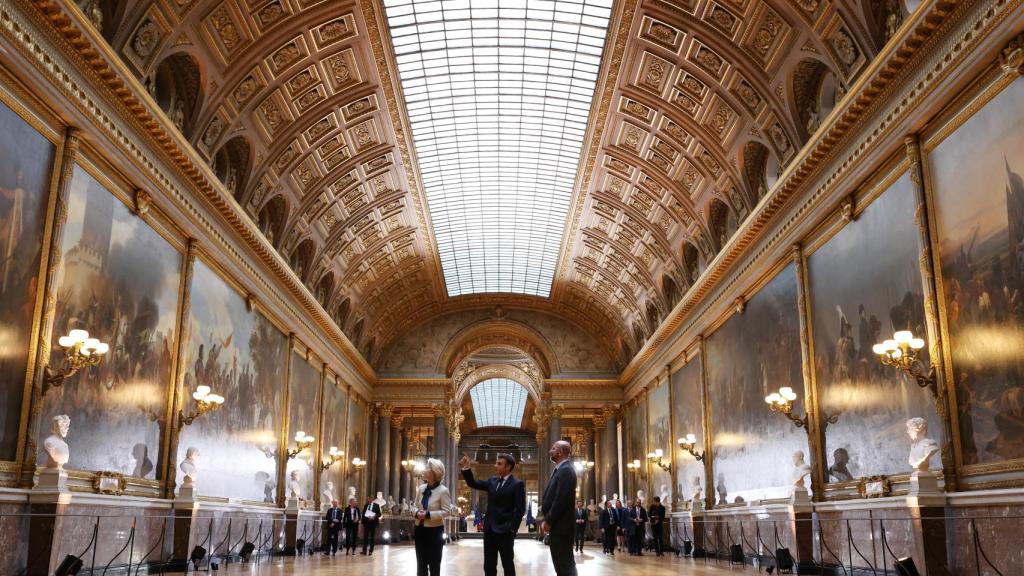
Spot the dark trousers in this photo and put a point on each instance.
(369, 536)
(609, 539)
(562, 560)
(429, 546)
(332, 540)
(657, 534)
(636, 542)
(581, 535)
(496, 545)
(351, 536)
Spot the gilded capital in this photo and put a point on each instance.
(609, 411)
(1011, 58)
(600, 420)
(385, 410)
(440, 410)
(557, 410)
(396, 420)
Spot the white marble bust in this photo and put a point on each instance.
(57, 451)
(800, 469)
(392, 505)
(294, 486)
(351, 492)
(327, 494)
(641, 496)
(921, 448)
(698, 492)
(666, 497)
(189, 466)
(380, 500)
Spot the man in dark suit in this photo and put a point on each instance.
(609, 526)
(638, 520)
(332, 520)
(370, 523)
(657, 516)
(506, 504)
(581, 525)
(556, 508)
(352, 517)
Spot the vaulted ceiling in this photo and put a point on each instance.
(297, 107)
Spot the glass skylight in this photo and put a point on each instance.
(498, 402)
(498, 94)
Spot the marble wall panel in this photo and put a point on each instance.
(998, 530)
(116, 544)
(13, 537)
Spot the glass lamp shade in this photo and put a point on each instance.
(903, 337)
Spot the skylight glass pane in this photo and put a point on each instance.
(498, 94)
(498, 402)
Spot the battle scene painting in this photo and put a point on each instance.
(865, 284)
(119, 280)
(240, 355)
(335, 420)
(356, 447)
(977, 177)
(636, 447)
(303, 415)
(26, 163)
(659, 429)
(750, 356)
(686, 410)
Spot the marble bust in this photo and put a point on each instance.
(351, 493)
(327, 494)
(800, 469)
(666, 497)
(921, 447)
(294, 487)
(641, 496)
(392, 505)
(698, 492)
(57, 451)
(189, 466)
(380, 500)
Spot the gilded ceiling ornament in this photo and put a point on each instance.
(655, 73)
(143, 201)
(271, 13)
(722, 18)
(676, 132)
(213, 131)
(245, 89)
(748, 95)
(301, 81)
(767, 32)
(1011, 57)
(692, 85)
(845, 47)
(708, 60)
(308, 99)
(271, 113)
(686, 103)
(808, 5)
(663, 33)
(146, 38)
(339, 70)
(286, 157)
(225, 27)
(286, 56)
(637, 109)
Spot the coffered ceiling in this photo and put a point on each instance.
(298, 107)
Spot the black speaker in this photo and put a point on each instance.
(300, 545)
(246, 551)
(198, 553)
(784, 560)
(687, 547)
(736, 554)
(69, 566)
(906, 567)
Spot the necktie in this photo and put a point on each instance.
(501, 481)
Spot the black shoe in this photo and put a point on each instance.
(363, 553)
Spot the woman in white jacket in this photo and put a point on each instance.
(431, 507)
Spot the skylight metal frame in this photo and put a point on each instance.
(499, 402)
(498, 95)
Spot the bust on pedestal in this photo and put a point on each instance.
(922, 481)
(697, 500)
(190, 469)
(800, 472)
(294, 491)
(53, 477)
(327, 496)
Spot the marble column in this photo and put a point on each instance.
(590, 487)
(405, 476)
(382, 459)
(395, 474)
(609, 455)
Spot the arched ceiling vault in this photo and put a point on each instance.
(306, 93)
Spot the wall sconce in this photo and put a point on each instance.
(689, 443)
(633, 466)
(333, 455)
(583, 466)
(782, 402)
(413, 466)
(902, 352)
(302, 441)
(80, 351)
(657, 457)
(358, 463)
(206, 401)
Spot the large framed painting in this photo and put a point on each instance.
(865, 284)
(357, 429)
(240, 355)
(26, 166)
(659, 430)
(750, 356)
(687, 412)
(977, 182)
(332, 482)
(119, 280)
(303, 416)
(636, 448)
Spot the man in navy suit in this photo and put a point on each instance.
(506, 504)
(556, 506)
(609, 525)
(332, 521)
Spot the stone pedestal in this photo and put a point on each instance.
(800, 497)
(47, 503)
(291, 527)
(927, 506)
(186, 511)
(698, 529)
(802, 528)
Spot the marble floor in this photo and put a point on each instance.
(465, 558)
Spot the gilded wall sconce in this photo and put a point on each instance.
(333, 455)
(633, 466)
(689, 444)
(583, 466)
(903, 352)
(80, 351)
(782, 402)
(206, 401)
(658, 458)
(302, 441)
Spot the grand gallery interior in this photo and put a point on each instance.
(763, 259)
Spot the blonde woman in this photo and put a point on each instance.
(430, 509)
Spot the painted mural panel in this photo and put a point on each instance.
(241, 356)
(332, 482)
(660, 436)
(750, 356)
(686, 409)
(356, 444)
(636, 443)
(978, 182)
(865, 284)
(119, 280)
(26, 163)
(303, 411)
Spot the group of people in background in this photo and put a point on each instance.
(347, 520)
(626, 526)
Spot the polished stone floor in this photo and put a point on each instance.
(466, 558)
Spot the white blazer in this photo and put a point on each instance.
(438, 506)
